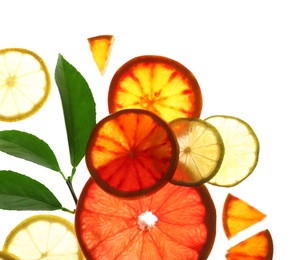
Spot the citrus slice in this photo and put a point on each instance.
(156, 83)
(8, 256)
(100, 47)
(257, 247)
(201, 151)
(176, 222)
(43, 237)
(132, 152)
(238, 215)
(241, 150)
(24, 83)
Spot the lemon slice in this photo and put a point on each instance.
(100, 47)
(241, 150)
(8, 256)
(43, 237)
(201, 151)
(24, 83)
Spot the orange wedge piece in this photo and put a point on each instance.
(256, 247)
(100, 47)
(238, 215)
(156, 83)
(132, 152)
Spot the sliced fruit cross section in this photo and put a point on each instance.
(201, 151)
(241, 150)
(100, 47)
(257, 247)
(24, 84)
(156, 83)
(176, 222)
(132, 152)
(238, 215)
(44, 237)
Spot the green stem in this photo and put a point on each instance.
(68, 210)
(70, 186)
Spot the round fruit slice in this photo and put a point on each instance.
(43, 237)
(241, 150)
(256, 247)
(176, 222)
(100, 47)
(156, 83)
(238, 215)
(132, 152)
(24, 83)
(8, 256)
(201, 151)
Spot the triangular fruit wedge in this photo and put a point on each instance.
(238, 215)
(257, 247)
(100, 47)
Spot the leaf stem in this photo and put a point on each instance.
(68, 210)
(70, 186)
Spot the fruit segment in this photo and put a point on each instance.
(100, 47)
(131, 153)
(176, 222)
(238, 215)
(158, 84)
(256, 247)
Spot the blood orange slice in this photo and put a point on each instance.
(239, 215)
(156, 83)
(132, 152)
(176, 222)
(256, 247)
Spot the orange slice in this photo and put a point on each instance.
(201, 151)
(256, 247)
(176, 222)
(132, 152)
(238, 215)
(100, 47)
(156, 83)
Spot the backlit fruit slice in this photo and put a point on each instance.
(256, 247)
(241, 150)
(24, 83)
(132, 152)
(100, 47)
(156, 83)
(176, 222)
(239, 215)
(7, 256)
(44, 237)
(201, 151)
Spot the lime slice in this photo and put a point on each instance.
(201, 151)
(43, 237)
(24, 84)
(241, 150)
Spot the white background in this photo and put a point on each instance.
(246, 55)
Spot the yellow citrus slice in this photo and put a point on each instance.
(257, 247)
(241, 150)
(44, 237)
(24, 83)
(156, 83)
(8, 256)
(201, 151)
(238, 215)
(100, 47)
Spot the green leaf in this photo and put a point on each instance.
(28, 147)
(78, 107)
(19, 192)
